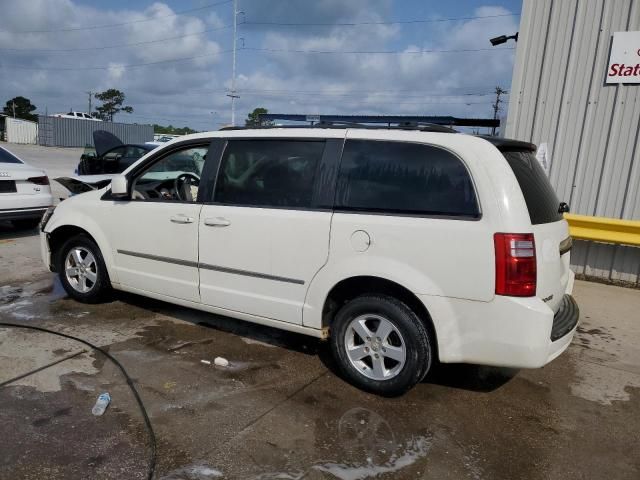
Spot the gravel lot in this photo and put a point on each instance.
(279, 411)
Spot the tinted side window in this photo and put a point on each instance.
(268, 173)
(542, 201)
(6, 157)
(395, 177)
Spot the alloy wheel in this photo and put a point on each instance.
(81, 269)
(375, 347)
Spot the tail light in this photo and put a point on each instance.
(39, 180)
(515, 264)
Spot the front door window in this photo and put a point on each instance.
(175, 177)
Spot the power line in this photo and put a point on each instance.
(360, 101)
(378, 52)
(110, 25)
(377, 102)
(393, 22)
(340, 91)
(122, 45)
(342, 52)
(343, 92)
(360, 94)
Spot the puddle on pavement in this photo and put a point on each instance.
(602, 384)
(31, 300)
(193, 472)
(44, 303)
(600, 375)
(364, 445)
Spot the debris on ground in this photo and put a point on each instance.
(221, 362)
(104, 399)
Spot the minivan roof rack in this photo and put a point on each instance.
(501, 143)
(418, 126)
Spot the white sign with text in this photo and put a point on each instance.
(624, 60)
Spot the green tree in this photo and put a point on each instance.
(253, 119)
(171, 130)
(23, 108)
(112, 101)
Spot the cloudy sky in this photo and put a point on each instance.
(173, 58)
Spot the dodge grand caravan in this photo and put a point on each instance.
(398, 246)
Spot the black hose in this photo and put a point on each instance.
(143, 410)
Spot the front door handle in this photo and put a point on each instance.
(181, 219)
(217, 222)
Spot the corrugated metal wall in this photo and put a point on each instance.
(21, 131)
(69, 132)
(559, 96)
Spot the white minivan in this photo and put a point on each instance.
(399, 246)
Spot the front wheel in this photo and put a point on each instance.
(381, 345)
(82, 271)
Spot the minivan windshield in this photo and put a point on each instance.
(541, 199)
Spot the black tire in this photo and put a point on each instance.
(83, 167)
(26, 223)
(417, 344)
(101, 289)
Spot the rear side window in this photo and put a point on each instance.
(269, 173)
(542, 201)
(6, 157)
(405, 178)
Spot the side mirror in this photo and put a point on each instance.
(119, 187)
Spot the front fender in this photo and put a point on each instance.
(82, 220)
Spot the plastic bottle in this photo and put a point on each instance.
(101, 404)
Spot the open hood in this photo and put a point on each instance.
(104, 141)
(84, 183)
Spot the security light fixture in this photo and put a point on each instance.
(503, 39)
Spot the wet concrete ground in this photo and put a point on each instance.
(280, 412)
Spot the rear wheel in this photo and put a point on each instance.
(380, 344)
(26, 223)
(82, 271)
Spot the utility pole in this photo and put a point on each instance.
(233, 93)
(496, 106)
(90, 93)
(13, 104)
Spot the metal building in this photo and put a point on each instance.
(20, 131)
(70, 132)
(560, 96)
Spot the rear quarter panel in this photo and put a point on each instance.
(432, 257)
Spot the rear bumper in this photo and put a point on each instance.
(506, 332)
(22, 213)
(565, 319)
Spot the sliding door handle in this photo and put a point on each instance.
(217, 222)
(182, 219)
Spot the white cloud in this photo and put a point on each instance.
(366, 82)
(115, 71)
(214, 20)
